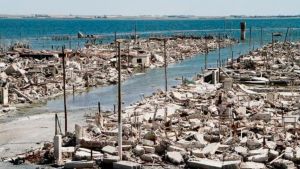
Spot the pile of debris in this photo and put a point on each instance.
(274, 64)
(196, 125)
(35, 80)
(34, 76)
(213, 122)
(200, 126)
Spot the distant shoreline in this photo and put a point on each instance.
(146, 17)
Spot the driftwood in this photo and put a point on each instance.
(95, 144)
(22, 95)
(79, 164)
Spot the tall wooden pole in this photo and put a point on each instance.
(115, 40)
(165, 60)
(64, 87)
(56, 119)
(99, 107)
(261, 36)
(272, 42)
(272, 47)
(286, 35)
(135, 36)
(70, 43)
(206, 53)
(231, 56)
(128, 53)
(250, 39)
(119, 104)
(224, 26)
(253, 44)
(219, 46)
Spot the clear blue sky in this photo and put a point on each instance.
(152, 7)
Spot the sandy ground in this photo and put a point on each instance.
(25, 133)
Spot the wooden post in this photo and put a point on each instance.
(154, 115)
(272, 47)
(253, 44)
(58, 149)
(165, 121)
(99, 107)
(135, 35)
(114, 108)
(261, 37)
(70, 43)
(128, 53)
(286, 35)
(219, 46)
(243, 30)
(73, 90)
(119, 105)
(272, 43)
(165, 66)
(116, 40)
(206, 53)
(56, 124)
(64, 87)
(250, 39)
(231, 56)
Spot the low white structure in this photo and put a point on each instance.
(139, 58)
(227, 83)
(58, 149)
(4, 93)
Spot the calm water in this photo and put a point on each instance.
(35, 31)
(38, 32)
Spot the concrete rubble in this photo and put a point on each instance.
(35, 76)
(251, 123)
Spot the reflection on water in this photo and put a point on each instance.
(138, 85)
(152, 80)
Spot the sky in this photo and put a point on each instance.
(151, 7)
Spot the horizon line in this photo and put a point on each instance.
(39, 15)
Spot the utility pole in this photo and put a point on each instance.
(253, 44)
(272, 42)
(56, 119)
(70, 43)
(1, 49)
(286, 35)
(231, 50)
(99, 107)
(128, 53)
(250, 39)
(165, 60)
(64, 87)
(261, 36)
(206, 53)
(219, 46)
(232, 59)
(135, 36)
(272, 47)
(119, 104)
(116, 40)
(224, 25)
